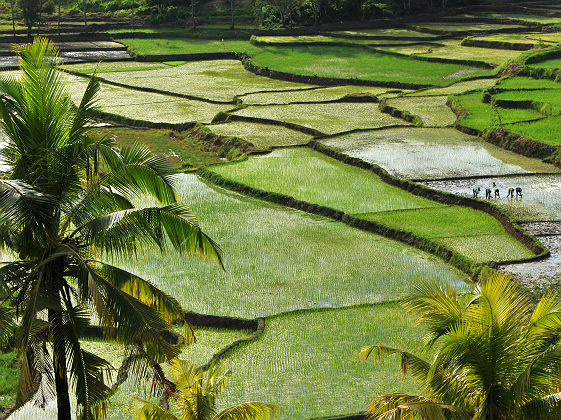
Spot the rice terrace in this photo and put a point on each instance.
(280, 209)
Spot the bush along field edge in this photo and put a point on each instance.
(476, 271)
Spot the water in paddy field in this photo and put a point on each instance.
(539, 207)
(428, 153)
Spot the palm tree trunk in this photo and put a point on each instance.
(13, 17)
(59, 365)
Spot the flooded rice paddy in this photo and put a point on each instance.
(425, 153)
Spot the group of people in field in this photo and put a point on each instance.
(495, 189)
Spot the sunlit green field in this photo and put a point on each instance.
(263, 136)
(309, 176)
(312, 95)
(146, 106)
(432, 110)
(308, 362)
(482, 115)
(464, 27)
(453, 49)
(361, 64)
(277, 260)
(216, 79)
(328, 118)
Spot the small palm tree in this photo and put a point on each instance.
(65, 202)
(195, 396)
(497, 356)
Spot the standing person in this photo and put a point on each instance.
(488, 193)
(497, 194)
(510, 192)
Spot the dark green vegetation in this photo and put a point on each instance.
(309, 176)
(57, 209)
(184, 150)
(495, 336)
(342, 282)
(9, 378)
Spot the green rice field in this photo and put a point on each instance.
(554, 63)
(217, 79)
(324, 288)
(361, 64)
(312, 95)
(455, 88)
(423, 153)
(432, 110)
(263, 136)
(452, 49)
(314, 357)
(397, 33)
(309, 176)
(328, 118)
(268, 271)
(146, 106)
(482, 115)
(463, 27)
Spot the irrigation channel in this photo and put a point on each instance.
(320, 241)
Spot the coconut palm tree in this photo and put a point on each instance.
(497, 356)
(65, 203)
(195, 392)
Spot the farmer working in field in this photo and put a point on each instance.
(476, 191)
(518, 192)
(510, 192)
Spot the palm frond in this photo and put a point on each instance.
(438, 307)
(148, 411)
(123, 231)
(418, 367)
(249, 410)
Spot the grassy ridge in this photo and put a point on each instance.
(309, 176)
(361, 64)
(279, 259)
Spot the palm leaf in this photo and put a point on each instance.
(249, 410)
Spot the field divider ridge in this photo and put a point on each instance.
(401, 114)
(227, 117)
(463, 263)
(148, 89)
(508, 223)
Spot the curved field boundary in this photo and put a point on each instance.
(460, 178)
(117, 119)
(420, 39)
(507, 139)
(360, 130)
(226, 117)
(401, 114)
(473, 63)
(499, 45)
(463, 263)
(349, 98)
(511, 227)
(147, 89)
(450, 256)
(217, 356)
(250, 65)
(421, 29)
